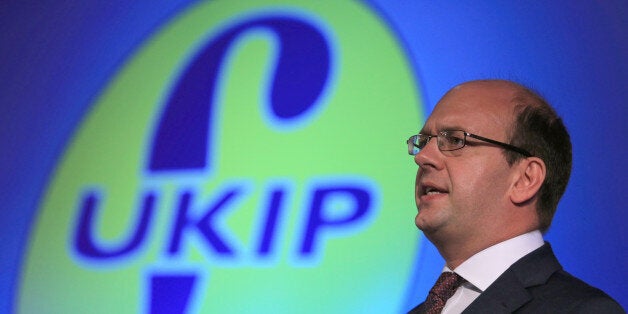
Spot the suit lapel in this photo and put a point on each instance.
(504, 296)
(508, 293)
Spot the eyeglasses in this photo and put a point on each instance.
(454, 139)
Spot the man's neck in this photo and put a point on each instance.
(456, 252)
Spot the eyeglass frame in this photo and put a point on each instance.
(410, 141)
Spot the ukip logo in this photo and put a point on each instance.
(248, 151)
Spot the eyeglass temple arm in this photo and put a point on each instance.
(504, 145)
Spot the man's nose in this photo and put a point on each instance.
(428, 155)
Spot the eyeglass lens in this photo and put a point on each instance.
(447, 140)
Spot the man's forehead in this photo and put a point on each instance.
(473, 106)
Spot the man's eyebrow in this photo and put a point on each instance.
(450, 127)
(444, 128)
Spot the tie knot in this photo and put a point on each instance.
(443, 289)
(448, 281)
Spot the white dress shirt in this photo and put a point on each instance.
(483, 268)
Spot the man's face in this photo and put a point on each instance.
(458, 193)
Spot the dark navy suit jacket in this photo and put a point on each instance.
(537, 283)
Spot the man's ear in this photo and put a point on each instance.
(531, 174)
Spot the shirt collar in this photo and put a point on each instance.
(483, 268)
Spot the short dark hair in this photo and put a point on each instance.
(538, 129)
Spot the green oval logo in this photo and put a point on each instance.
(248, 158)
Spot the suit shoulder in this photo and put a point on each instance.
(572, 295)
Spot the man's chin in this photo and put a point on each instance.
(421, 222)
(427, 220)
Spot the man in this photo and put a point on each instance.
(494, 160)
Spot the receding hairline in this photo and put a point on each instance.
(514, 86)
(523, 96)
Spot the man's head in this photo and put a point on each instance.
(484, 192)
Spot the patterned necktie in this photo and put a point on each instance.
(442, 290)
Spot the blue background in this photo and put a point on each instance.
(55, 56)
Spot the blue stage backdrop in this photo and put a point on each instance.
(247, 157)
